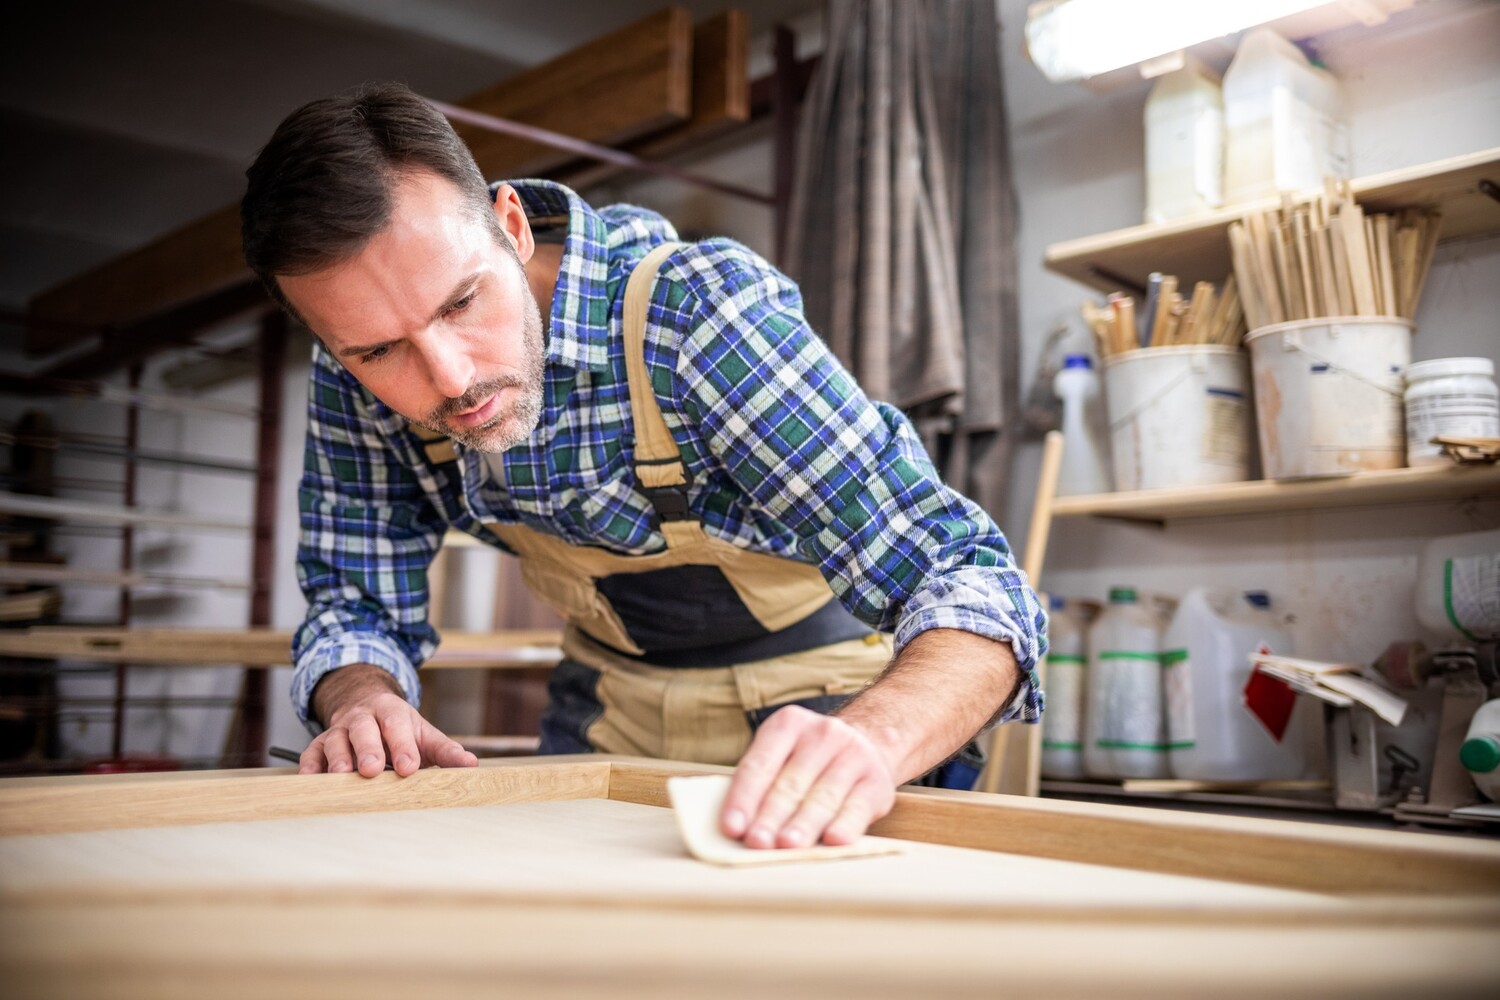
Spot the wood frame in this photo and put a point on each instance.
(1402, 912)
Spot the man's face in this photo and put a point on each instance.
(434, 316)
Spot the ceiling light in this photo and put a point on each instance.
(1078, 39)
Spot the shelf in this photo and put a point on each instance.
(1197, 249)
(1391, 486)
(263, 647)
(80, 512)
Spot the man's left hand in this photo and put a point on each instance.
(807, 778)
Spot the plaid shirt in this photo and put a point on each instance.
(786, 455)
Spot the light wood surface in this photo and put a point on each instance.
(1197, 249)
(563, 876)
(1388, 486)
(517, 648)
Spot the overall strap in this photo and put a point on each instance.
(658, 464)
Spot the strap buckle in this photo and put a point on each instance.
(669, 502)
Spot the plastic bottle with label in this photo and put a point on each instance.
(1458, 586)
(1184, 143)
(1212, 736)
(1083, 467)
(1125, 724)
(1480, 753)
(1067, 670)
(1285, 126)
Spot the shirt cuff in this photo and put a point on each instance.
(1006, 610)
(334, 651)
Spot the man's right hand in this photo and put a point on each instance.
(366, 716)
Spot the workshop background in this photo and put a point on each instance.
(129, 121)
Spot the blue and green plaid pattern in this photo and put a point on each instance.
(787, 456)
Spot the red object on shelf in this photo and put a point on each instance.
(132, 765)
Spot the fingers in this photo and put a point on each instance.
(442, 751)
(807, 778)
(368, 748)
(360, 739)
(772, 745)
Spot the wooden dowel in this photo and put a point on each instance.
(1383, 262)
(1163, 310)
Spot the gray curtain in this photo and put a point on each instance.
(902, 223)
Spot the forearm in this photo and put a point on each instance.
(944, 687)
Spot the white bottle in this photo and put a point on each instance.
(1206, 651)
(1184, 143)
(1456, 396)
(1285, 127)
(1480, 753)
(1067, 668)
(1458, 586)
(1083, 470)
(1125, 725)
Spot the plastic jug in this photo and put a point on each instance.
(1067, 670)
(1184, 143)
(1480, 753)
(1458, 586)
(1285, 127)
(1125, 724)
(1212, 736)
(1083, 470)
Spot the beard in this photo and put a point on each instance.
(518, 414)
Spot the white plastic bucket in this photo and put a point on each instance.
(1328, 395)
(1178, 416)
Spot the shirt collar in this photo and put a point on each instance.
(578, 329)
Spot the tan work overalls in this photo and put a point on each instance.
(678, 654)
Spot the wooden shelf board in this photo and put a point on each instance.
(1197, 249)
(262, 647)
(1444, 482)
(82, 512)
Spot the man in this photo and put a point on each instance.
(684, 471)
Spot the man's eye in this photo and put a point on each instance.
(376, 354)
(459, 305)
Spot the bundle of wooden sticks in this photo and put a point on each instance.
(1323, 256)
(1167, 320)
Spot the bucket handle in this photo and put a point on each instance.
(1291, 342)
(1157, 397)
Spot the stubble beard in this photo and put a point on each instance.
(519, 414)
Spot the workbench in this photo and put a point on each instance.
(566, 876)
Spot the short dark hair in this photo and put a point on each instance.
(321, 187)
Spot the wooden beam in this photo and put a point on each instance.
(720, 99)
(623, 85)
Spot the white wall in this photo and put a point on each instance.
(1422, 87)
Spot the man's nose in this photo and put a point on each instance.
(449, 368)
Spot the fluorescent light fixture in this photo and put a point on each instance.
(1077, 39)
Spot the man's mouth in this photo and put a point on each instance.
(480, 415)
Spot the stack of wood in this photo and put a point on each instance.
(1322, 257)
(1167, 320)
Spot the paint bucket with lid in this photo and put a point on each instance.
(1328, 395)
(1178, 416)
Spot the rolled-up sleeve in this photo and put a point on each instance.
(368, 535)
(848, 476)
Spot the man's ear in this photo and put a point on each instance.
(513, 221)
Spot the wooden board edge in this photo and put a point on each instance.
(1276, 853)
(82, 804)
